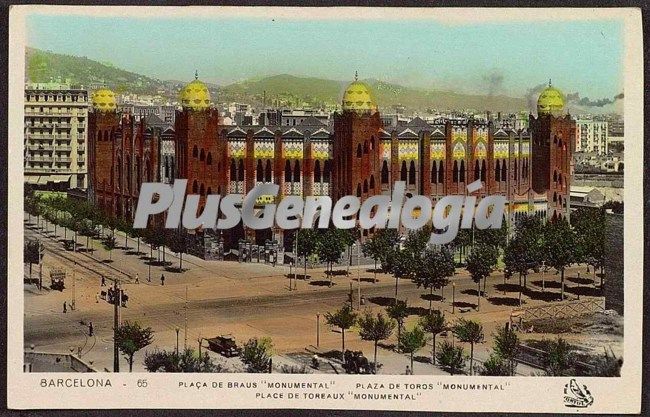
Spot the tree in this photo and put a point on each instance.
(495, 366)
(410, 341)
(471, 332)
(559, 360)
(307, 245)
(380, 246)
(433, 270)
(402, 266)
(130, 338)
(186, 361)
(450, 357)
(433, 323)
(177, 243)
(560, 247)
(330, 245)
(375, 328)
(480, 263)
(343, 319)
(525, 250)
(506, 347)
(398, 312)
(109, 245)
(257, 354)
(125, 227)
(590, 225)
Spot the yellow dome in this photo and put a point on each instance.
(195, 96)
(550, 101)
(359, 98)
(104, 100)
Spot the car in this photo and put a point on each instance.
(224, 345)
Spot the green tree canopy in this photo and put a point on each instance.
(130, 337)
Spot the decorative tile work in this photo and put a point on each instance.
(458, 151)
(322, 150)
(385, 149)
(525, 148)
(264, 149)
(292, 149)
(438, 150)
(408, 150)
(236, 148)
(501, 150)
(480, 152)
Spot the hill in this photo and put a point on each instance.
(281, 90)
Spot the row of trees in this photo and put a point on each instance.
(83, 218)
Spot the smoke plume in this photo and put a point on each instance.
(494, 82)
(587, 102)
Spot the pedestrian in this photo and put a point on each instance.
(137, 278)
(162, 279)
(65, 307)
(97, 297)
(408, 370)
(90, 328)
(103, 281)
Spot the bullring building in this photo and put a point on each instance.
(352, 155)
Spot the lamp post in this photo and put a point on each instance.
(318, 330)
(543, 276)
(290, 269)
(359, 275)
(177, 331)
(453, 298)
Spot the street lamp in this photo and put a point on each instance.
(453, 298)
(177, 330)
(543, 276)
(318, 330)
(290, 269)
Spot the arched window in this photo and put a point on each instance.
(287, 171)
(504, 171)
(127, 185)
(208, 160)
(384, 173)
(559, 179)
(516, 173)
(317, 172)
(497, 171)
(358, 190)
(195, 151)
(462, 171)
(195, 187)
(555, 197)
(233, 170)
(202, 189)
(403, 172)
(434, 173)
(240, 170)
(359, 151)
(106, 135)
(202, 157)
(477, 171)
(372, 182)
(372, 143)
(412, 173)
(259, 171)
(441, 173)
(268, 171)
(327, 170)
(483, 170)
(209, 190)
(365, 186)
(455, 174)
(296, 172)
(365, 147)
(554, 176)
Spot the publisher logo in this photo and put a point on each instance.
(577, 397)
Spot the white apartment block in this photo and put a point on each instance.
(591, 136)
(56, 129)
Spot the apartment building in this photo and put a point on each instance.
(56, 117)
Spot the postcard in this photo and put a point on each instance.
(413, 209)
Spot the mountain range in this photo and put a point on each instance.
(281, 90)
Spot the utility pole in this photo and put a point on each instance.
(359, 274)
(74, 289)
(185, 344)
(117, 299)
(40, 267)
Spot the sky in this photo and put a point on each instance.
(499, 58)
